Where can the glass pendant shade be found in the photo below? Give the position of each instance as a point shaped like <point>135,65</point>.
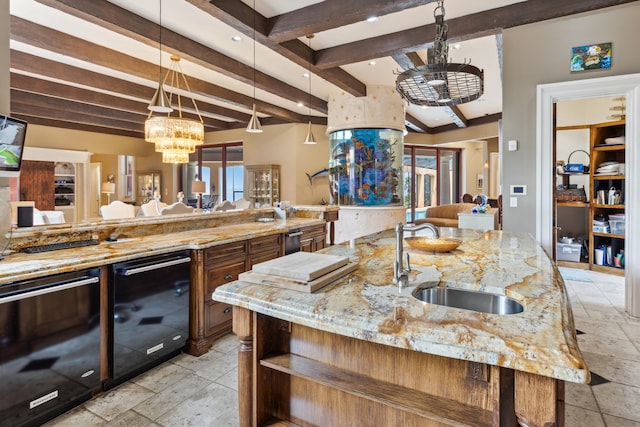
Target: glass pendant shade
<point>310,139</point>
<point>254,125</point>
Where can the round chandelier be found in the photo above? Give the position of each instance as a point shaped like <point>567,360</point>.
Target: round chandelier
<point>174,136</point>
<point>439,83</point>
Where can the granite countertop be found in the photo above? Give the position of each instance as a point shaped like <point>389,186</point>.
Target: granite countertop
<point>21,266</point>
<point>366,304</point>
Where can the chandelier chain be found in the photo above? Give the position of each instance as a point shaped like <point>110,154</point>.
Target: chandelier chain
<point>440,42</point>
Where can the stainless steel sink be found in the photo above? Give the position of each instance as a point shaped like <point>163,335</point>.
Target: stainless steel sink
<point>466,299</point>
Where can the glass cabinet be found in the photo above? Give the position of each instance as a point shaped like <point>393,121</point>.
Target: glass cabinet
<point>262,185</point>
<point>148,184</point>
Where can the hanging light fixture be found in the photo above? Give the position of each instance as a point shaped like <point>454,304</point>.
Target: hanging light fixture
<point>160,102</point>
<point>439,83</point>
<point>175,137</point>
<point>310,139</point>
<point>254,125</point>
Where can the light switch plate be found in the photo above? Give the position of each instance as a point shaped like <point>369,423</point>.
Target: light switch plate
<point>513,145</point>
<point>513,202</point>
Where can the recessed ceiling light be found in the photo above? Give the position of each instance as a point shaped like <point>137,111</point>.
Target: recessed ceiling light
<point>455,46</point>
<point>236,38</point>
<point>372,19</point>
<point>305,75</point>
<point>372,63</point>
<point>300,104</point>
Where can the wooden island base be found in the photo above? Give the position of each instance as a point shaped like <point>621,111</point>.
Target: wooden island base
<point>290,374</point>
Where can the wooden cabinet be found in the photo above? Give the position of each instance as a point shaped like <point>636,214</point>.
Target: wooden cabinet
<point>262,185</point>
<point>37,183</point>
<point>214,267</point>
<point>313,238</point>
<point>608,195</point>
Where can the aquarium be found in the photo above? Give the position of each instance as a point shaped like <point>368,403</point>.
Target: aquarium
<point>365,167</point>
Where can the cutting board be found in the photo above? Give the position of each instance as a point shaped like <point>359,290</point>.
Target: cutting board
<point>297,285</point>
<point>301,266</point>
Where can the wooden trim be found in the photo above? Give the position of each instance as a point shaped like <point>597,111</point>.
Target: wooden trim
<point>243,328</point>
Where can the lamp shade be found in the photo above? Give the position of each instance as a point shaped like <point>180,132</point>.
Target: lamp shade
<point>199,187</point>
<point>108,187</point>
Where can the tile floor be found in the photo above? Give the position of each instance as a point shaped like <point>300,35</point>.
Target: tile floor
<point>190,391</point>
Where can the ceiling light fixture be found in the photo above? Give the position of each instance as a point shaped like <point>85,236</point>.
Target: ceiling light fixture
<point>175,137</point>
<point>310,139</point>
<point>160,102</point>
<point>439,83</point>
<point>254,125</point>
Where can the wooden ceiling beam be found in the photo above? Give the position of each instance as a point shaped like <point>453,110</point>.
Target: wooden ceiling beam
<point>331,14</point>
<point>416,124</point>
<point>240,16</point>
<point>55,70</point>
<point>121,21</point>
<point>36,120</point>
<point>489,22</point>
<point>39,36</point>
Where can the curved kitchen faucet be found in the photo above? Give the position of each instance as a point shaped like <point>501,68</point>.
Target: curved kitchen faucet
<point>400,274</point>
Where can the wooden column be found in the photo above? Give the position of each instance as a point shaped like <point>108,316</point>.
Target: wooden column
<point>539,401</point>
<point>243,328</point>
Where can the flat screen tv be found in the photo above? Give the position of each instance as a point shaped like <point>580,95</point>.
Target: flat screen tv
<point>12,136</point>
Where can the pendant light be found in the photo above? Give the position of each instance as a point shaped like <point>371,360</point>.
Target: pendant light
<point>160,102</point>
<point>254,125</point>
<point>310,139</point>
<point>439,83</point>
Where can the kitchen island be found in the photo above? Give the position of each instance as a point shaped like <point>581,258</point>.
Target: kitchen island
<point>363,352</point>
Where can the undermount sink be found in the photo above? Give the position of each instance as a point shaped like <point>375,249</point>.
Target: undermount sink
<point>466,299</point>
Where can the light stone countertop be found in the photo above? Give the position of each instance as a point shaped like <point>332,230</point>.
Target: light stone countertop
<point>22,266</point>
<point>366,304</point>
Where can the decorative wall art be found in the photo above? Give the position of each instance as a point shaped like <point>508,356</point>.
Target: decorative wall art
<point>591,57</point>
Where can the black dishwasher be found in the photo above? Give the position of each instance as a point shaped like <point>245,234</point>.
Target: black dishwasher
<point>148,313</point>
<point>49,346</point>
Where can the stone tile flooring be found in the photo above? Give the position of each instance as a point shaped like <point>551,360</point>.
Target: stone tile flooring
<point>202,391</point>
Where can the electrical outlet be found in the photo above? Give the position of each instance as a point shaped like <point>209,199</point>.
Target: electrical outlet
<point>513,202</point>
<point>513,145</point>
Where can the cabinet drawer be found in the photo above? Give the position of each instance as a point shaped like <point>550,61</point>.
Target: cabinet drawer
<point>265,244</point>
<point>217,317</point>
<point>314,230</point>
<point>229,253</point>
<point>220,276</point>
<point>263,256</point>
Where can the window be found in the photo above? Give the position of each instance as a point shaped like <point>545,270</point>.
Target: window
<point>431,177</point>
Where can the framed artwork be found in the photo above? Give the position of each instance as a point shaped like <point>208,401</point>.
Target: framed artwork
<point>591,57</point>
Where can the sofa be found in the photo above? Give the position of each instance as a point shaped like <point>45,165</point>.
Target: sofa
<point>445,215</point>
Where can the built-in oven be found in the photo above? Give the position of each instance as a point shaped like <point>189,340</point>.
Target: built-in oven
<point>292,241</point>
<point>148,313</point>
<point>49,346</point>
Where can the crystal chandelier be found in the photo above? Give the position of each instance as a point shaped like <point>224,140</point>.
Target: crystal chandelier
<point>175,136</point>
<point>439,83</point>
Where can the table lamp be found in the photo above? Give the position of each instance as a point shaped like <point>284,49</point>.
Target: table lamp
<point>109,188</point>
<point>199,187</point>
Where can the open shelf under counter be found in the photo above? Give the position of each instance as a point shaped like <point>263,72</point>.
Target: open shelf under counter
<point>572,204</point>
<point>610,235</point>
<point>581,265</point>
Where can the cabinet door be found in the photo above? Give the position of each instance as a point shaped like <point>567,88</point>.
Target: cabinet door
<point>36,183</point>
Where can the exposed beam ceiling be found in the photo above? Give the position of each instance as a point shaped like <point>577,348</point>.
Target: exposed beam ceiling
<point>93,65</point>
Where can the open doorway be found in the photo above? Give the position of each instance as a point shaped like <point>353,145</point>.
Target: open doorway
<point>547,95</point>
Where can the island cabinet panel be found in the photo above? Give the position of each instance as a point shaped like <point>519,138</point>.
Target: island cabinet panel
<point>289,373</point>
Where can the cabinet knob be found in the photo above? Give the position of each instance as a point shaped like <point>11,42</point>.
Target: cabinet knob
<point>228,276</point>
<point>227,310</point>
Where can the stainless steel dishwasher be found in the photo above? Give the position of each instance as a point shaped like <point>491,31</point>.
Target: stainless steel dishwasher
<point>148,313</point>
<point>49,346</point>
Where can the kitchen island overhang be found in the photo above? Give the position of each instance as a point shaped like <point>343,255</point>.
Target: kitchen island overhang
<point>366,306</point>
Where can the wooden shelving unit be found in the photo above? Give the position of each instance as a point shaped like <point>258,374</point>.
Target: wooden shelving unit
<point>601,153</point>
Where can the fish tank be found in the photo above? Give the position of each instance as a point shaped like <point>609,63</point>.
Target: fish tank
<point>365,167</point>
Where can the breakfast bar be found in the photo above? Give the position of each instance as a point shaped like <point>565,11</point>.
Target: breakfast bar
<point>363,349</point>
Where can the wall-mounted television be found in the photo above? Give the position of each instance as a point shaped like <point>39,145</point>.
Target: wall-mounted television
<point>12,135</point>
